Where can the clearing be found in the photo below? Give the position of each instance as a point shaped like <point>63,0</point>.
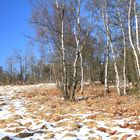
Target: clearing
<point>39,112</point>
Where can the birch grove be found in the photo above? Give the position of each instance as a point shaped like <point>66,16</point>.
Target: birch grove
<point>84,42</point>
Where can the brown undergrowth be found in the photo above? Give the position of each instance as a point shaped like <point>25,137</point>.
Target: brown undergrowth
<point>94,100</point>
<point>89,111</point>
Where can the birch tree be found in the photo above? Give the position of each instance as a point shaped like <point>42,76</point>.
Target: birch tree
<point>124,50</point>
<point>61,11</point>
<point>109,45</point>
<point>79,47</point>
<point>49,19</point>
<point>130,37</point>
<point>105,20</point>
<point>137,27</point>
<point>77,39</point>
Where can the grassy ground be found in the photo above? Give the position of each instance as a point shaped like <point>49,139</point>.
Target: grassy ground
<point>41,113</point>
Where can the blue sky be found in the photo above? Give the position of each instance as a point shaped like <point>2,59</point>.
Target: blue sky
<point>14,22</point>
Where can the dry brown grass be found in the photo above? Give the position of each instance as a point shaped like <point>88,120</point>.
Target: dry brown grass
<point>95,100</point>
<point>117,105</point>
<point>46,104</point>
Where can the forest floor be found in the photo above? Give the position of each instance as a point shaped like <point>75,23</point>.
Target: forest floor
<point>39,112</point>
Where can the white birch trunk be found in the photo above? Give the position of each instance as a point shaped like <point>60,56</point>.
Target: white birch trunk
<point>64,62</point>
<point>66,96</point>
<point>124,64</point>
<point>74,75</point>
<point>106,24</point>
<point>82,73</point>
<point>115,64</point>
<point>79,48</point>
<point>75,63</point>
<point>137,27</point>
<point>124,53</point>
<point>107,54</point>
<point>76,34</point>
<point>106,70</point>
<point>130,39</point>
<point>116,70</point>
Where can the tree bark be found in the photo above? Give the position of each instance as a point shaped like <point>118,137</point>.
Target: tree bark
<point>64,62</point>
<point>109,42</point>
<point>82,73</point>
<point>74,76</point>
<point>137,27</point>
<point>77,39</point>
<point>130,39</point>
<point>106,69</point>
<point>103,11</point>
<point>61,13</point>
<point>124,53</point>
<point>116,70</point>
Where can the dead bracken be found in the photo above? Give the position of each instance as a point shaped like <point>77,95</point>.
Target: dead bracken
<point>95,117</point>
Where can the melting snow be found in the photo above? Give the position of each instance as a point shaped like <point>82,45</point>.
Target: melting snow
<point>7,103</point>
